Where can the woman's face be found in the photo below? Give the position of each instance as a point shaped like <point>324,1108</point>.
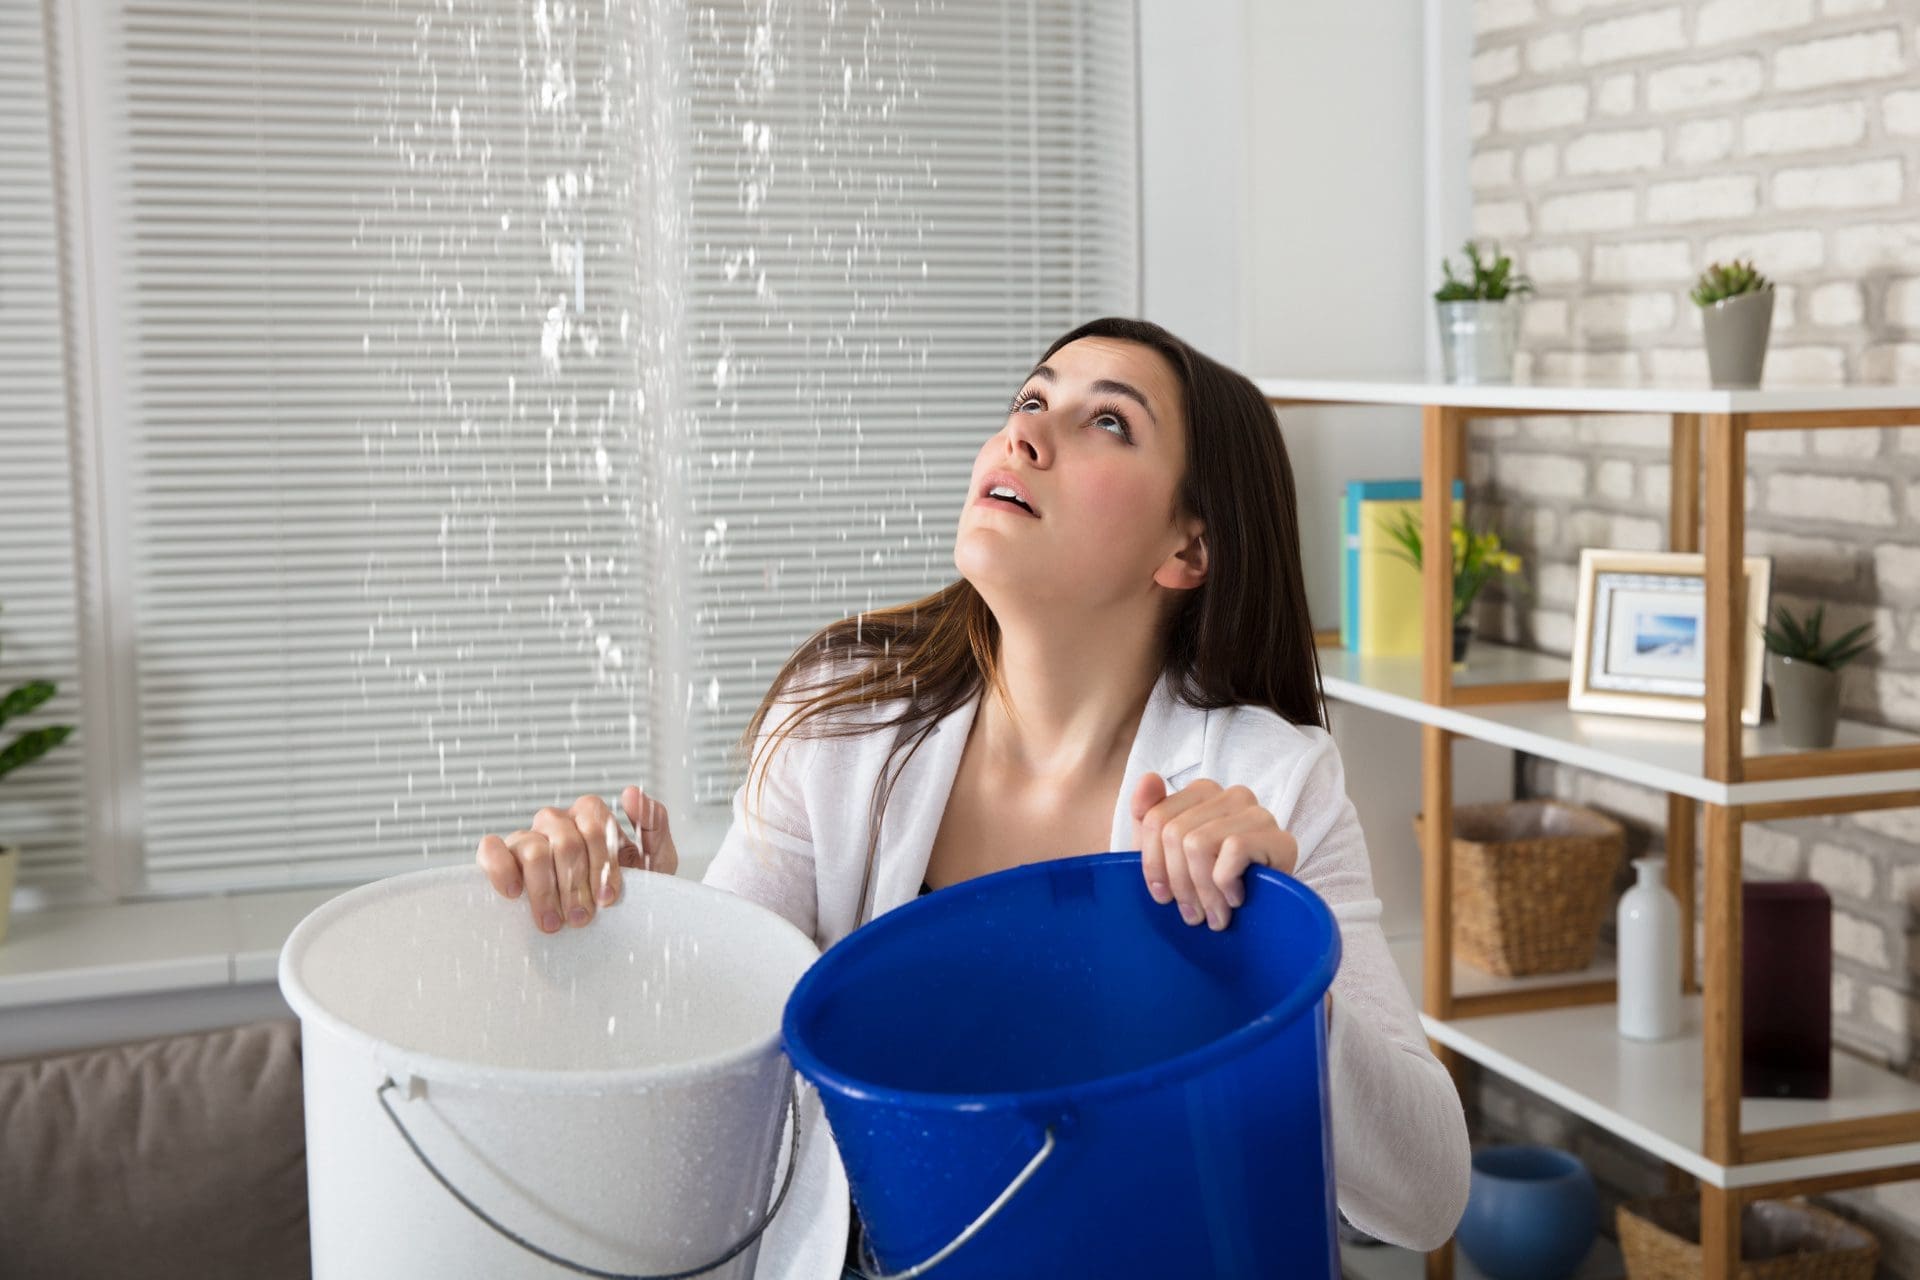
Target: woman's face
<point>1095,442</point>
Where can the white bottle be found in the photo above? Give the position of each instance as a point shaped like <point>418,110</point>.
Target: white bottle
<point>1649,942</point>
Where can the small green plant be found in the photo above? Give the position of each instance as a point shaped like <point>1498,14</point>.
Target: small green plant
<point>1476,557</point>
<point>33,743</point>
<point>1725,280</point>
<point>1799,639</point>
<point>1487,281</point>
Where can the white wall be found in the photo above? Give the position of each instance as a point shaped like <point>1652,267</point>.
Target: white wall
<point>1193,151</point>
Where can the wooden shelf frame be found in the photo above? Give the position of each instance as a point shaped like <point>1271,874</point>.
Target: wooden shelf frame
<point>1708,457</point>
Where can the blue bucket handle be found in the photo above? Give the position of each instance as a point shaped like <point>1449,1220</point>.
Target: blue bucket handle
<point>793,1159</point>
<point>1048,1142</point>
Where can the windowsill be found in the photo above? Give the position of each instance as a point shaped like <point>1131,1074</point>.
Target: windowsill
<point>96,952</point>
<point>108,950</point>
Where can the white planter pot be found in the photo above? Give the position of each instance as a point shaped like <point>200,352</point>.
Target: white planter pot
<point>9,868</point>
<point>1477,339</point>
<point>1649,940</point>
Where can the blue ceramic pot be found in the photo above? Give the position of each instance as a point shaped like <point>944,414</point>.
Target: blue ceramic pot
<point>1532,1213</point>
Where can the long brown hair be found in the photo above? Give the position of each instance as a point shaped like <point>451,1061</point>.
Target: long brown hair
<point>1241,638</point>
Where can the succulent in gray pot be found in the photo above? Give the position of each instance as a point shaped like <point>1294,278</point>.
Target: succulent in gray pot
<point>1736,310</point>
<point>26,747</point>
<point>1479,316</point>
<point>1804,670</point>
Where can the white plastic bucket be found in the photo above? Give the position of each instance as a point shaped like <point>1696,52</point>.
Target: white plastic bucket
<point>615,1096</point>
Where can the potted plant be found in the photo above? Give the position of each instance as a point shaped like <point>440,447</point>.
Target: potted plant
<point>1476,558</point>
<point>1480,316</point>
<point>1736,308</point>
<point>25,748</point>
<point>1804,671</point>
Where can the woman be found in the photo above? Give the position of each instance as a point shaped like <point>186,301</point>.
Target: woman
<point>1125,662</point>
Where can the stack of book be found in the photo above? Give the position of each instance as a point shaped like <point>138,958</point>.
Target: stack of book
<point>1379,588</point>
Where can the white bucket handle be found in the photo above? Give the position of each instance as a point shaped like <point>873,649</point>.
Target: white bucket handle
<point>973,1228</point>
<point>793,1158</point>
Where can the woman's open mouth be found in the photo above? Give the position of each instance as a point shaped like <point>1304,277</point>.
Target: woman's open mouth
<point>1001,490</point>
<point>1011,503</point>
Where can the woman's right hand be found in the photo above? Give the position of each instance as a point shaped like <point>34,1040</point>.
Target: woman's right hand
<point>564,864</point>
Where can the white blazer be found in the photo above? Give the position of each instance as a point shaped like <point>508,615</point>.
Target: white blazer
<point>1400,1139</point>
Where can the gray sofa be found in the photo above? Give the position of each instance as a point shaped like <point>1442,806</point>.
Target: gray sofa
<point>182,1158</point>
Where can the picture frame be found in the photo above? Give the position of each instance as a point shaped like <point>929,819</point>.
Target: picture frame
<point>1640,633</point>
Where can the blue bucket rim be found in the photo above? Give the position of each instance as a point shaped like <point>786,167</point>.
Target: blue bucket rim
<point>1270,1022</point>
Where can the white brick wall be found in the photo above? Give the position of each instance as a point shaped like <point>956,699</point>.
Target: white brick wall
<point>1715,199</point>
<point>1721,20</point>
<point>1644,262</point>
<point>1866,55</point>
<point>1616,151</point>
<point>1553,107</point>
<point>1588,211</point>
<point>1622,145</point>
<point>1839,186</point>
<point>1832,124</point>
<point>1660,31</point>
<point>1702,141</point>
<point>1703,84</point>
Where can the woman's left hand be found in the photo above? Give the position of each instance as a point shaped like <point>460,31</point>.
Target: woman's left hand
<point>1196,845</point>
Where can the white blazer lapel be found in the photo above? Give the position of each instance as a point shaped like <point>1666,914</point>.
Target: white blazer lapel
<point>918,803</point>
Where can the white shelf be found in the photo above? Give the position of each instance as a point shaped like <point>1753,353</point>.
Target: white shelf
<point>1469,981</point>
<point>1384,1262</point>
<point>1665,755</point>
<point>1652,1094</point>
<point>1551,396</point>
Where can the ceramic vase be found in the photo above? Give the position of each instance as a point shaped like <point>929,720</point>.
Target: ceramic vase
<point>1532,1213</point>
<point>1477,340</point>
<point>1648,926</point>
<point>1806,697</point>
<point>1736,331</point>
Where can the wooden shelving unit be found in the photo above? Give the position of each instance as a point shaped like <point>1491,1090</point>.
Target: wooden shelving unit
<point>1679,1100</point>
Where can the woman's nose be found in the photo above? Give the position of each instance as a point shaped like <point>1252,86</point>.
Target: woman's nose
<point>1029,435</point>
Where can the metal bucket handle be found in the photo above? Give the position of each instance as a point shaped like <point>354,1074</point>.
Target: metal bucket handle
<point>793,1158</point>
<point>973,1228</point>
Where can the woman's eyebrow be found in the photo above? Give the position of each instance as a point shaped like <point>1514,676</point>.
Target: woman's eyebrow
<point>1103,386</point>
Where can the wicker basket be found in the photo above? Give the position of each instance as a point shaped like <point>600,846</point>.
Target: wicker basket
<point>1779,1240</point>
<point>1530,884</point>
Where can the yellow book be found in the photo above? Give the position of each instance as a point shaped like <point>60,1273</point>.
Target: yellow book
<point>1389,587</point>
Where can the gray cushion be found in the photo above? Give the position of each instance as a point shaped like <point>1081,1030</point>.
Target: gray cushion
<point>180,1157</point>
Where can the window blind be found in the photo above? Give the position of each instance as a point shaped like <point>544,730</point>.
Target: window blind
<point>43,805</point>
<point>416,423</point>
<point>894,209</point>
<point>381,429</point>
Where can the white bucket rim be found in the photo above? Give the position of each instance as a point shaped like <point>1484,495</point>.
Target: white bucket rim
<point>402,1062</point>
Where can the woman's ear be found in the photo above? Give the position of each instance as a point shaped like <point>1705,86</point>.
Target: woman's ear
<point>1186,568</point>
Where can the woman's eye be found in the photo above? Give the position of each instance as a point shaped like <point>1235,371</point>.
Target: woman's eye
<point>1116,421</point>
<point>1021,405</point>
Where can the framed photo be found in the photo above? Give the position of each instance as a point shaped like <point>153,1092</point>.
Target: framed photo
<point>1639,634</point>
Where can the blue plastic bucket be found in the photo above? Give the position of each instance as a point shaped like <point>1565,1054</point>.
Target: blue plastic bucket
<point>1154,1094</point>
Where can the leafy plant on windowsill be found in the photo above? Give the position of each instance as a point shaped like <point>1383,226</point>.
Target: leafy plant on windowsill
<point>1799,639</point>
<point>1477,557</point>
<point>31,744</point>
<point>1488,280</point>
